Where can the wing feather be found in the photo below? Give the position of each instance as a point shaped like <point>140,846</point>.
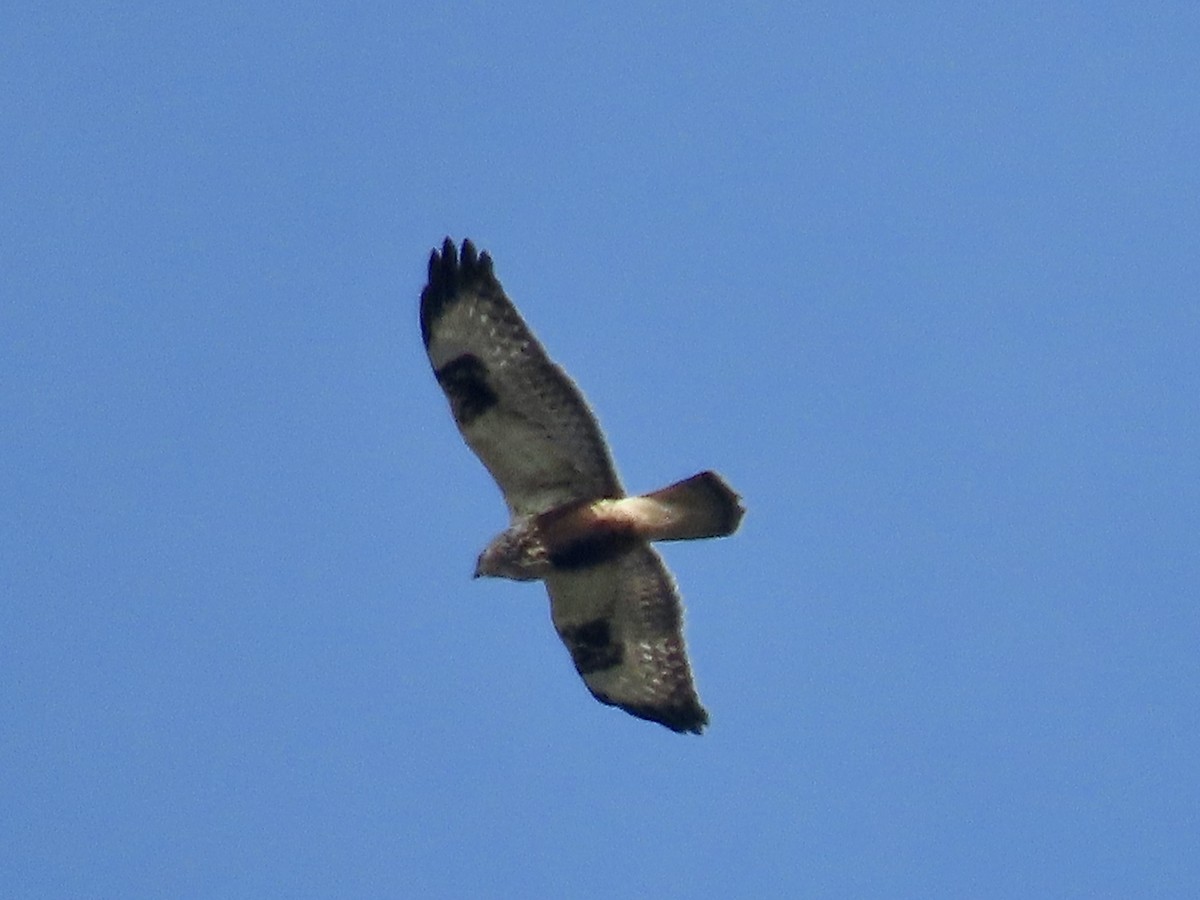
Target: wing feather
<point>519,412</point>
<point>622,622</point>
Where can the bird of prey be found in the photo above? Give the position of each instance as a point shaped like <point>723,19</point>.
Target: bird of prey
<point>612,600</point>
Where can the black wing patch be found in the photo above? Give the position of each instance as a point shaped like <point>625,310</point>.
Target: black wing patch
<point>464,379</point>
<point>592,646</point>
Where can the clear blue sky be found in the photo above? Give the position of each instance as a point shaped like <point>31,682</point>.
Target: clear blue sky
<point>920,283</point>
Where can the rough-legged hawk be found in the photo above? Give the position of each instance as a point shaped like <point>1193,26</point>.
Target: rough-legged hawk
<point>612,600</point>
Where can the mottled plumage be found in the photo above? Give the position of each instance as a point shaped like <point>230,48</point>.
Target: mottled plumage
<point>612,600</point>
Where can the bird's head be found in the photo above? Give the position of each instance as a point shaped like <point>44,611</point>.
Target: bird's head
<point>486,565</point>
<point>507,556</point>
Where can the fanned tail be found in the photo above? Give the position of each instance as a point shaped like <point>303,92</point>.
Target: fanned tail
<point>702,506</point>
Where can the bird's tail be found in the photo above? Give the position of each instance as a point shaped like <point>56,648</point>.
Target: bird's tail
<point>702,506</point>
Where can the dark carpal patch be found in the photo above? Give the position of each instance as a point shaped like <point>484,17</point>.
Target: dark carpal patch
<point>464,379</point>
<point>592,647</point>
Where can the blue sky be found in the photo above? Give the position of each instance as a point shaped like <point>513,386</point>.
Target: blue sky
<point>920,282</point>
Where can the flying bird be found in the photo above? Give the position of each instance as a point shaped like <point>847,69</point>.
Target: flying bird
<point>572,526</point>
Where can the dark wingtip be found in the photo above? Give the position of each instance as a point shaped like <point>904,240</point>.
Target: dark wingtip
<point>450,273</point>
<point>690,718</point>
<point>683,715</point>
<point>448,258</point>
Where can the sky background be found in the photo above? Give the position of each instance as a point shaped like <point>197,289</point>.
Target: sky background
<point>919,282</point>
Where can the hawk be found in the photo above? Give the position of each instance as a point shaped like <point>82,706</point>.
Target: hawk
<point>612,600</point>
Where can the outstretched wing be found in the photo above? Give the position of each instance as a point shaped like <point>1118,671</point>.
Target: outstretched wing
<point>623,625</point>
<point>519,412</point>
